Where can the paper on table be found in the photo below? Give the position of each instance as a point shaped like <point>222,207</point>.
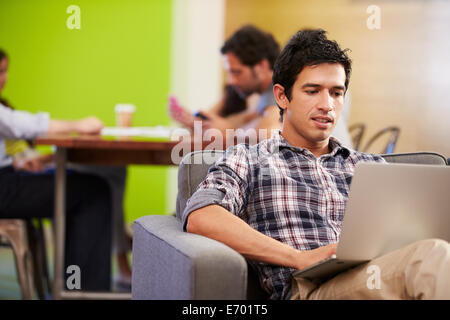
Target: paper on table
<point>155,132</point>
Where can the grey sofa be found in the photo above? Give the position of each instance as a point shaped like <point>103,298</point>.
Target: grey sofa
<point>171,264</point>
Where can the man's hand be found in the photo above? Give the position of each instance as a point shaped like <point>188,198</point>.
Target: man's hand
<point>215,122</point>
<point>179,114</point>
<point>89,125</point>
<point>310,257</point>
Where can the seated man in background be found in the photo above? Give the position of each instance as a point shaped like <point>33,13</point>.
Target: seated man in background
<point>249,56</point>
<point>281,202</point>
<point>88,199</point>
<point>232,106</point>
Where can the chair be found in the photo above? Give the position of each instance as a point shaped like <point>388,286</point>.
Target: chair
<point>169,263</point>
<point>15,232</point>
<point>38,246</point>
<point>357,132</point>
<point>28,245</point>
<point>392,132</point>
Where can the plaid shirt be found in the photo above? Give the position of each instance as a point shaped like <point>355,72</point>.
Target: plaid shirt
<point>286,193</point>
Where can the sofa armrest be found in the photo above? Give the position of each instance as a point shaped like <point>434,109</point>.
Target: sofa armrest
<point>171,264</point>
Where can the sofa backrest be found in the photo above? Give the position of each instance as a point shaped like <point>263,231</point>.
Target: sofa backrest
<point>195,165</point>
<point>416,157</point>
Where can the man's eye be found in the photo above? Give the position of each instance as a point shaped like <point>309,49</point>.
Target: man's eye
<point>338,94</point>
<point>311,91</point>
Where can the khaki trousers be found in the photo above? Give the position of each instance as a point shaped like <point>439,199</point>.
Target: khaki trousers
<point>418,271</point>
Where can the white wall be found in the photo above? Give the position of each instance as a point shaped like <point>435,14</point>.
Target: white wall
<point>196,70</point>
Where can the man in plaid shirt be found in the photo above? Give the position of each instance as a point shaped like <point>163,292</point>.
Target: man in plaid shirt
<point>280,203</point>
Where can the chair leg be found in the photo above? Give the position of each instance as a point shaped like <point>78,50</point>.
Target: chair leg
<point>44,263</point>
<point>39,254</point>
<point>24,271</point>
<point>16,232</point>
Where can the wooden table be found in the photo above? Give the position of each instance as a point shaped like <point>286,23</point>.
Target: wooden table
<point>105,151</point>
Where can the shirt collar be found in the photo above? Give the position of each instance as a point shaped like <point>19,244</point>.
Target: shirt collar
<point>337,148</point>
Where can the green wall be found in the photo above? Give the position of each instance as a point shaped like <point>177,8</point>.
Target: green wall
<point>121,53</point>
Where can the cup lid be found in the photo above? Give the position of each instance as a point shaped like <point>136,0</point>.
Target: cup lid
<point>125,107</point>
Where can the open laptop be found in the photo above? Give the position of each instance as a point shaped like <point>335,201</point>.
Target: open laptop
<point>389,207</point>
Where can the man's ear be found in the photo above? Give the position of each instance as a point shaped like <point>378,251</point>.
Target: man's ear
<point>280,96</point>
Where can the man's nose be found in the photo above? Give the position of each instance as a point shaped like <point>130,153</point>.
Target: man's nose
<point>231,80</point>
<point>326,102</point>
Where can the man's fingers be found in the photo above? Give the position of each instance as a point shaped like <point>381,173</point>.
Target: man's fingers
<point>207,114</point>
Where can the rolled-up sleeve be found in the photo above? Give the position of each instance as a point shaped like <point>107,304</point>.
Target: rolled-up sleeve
<point>21,124</point>
<point>226,185</point>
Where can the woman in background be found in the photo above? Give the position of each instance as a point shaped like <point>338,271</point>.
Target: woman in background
<point>27,159</point>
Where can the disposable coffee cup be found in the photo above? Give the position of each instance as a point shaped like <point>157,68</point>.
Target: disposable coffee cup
<point>124,114</point>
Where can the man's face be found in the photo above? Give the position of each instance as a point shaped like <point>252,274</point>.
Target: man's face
<point>316,102</point>
<point>243,78</point>
<point>3,73</point>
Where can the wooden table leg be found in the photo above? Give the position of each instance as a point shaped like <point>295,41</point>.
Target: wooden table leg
<point>60,222</point>
<point>60,228</point>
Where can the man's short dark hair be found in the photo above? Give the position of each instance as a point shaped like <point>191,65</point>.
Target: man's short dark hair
<point>307,48</point>
<point>252,45</point>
